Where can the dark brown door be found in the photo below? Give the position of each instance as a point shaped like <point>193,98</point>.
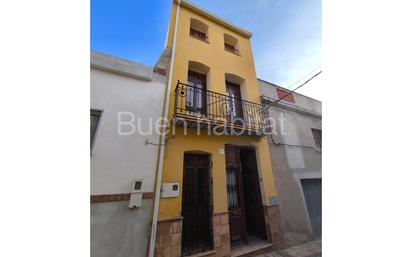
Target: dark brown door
<point>235,195</point>
<point>244,196</point>
<point>196,211</point>
<point>235,111</point>
<point>252,194</point>
<point>196,94</point>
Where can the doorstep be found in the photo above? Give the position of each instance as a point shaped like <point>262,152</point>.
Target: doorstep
<point>251,249</point>
<point>204,254</point>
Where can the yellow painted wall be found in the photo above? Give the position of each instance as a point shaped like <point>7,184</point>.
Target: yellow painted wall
<point>219,61</point>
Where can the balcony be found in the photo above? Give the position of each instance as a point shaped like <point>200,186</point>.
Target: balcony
<point>218,113</point>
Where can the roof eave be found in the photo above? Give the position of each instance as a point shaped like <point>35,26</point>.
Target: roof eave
<point>214,17</point>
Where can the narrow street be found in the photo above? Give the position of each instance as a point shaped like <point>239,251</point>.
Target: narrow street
<point>310,249</point>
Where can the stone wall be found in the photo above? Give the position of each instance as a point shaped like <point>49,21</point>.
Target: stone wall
<point>273,225</point>
<point>169,234</point>
<point>221,234</point>
<point>169,238</point>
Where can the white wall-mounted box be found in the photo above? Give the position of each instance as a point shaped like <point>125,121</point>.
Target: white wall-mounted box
<point>170,190</point>
<point>136,194</point>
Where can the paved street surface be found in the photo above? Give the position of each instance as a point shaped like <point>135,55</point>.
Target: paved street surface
<point>310,249</point>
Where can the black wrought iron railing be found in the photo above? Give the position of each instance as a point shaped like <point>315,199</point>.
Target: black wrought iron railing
<point>195,103</point>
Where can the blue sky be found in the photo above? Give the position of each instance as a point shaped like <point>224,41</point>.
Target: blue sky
<point>286,33</point>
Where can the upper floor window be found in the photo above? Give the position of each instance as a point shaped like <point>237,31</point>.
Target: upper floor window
<point>285,95</point>
<point>317,136</point>
<point>198,30</point>
<point>95,116</point>
<point>230,48</point>
<point>231,44</point>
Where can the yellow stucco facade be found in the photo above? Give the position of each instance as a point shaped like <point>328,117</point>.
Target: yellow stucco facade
<point>219,61</point>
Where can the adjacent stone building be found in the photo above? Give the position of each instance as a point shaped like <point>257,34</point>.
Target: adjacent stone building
<point>295,146</point>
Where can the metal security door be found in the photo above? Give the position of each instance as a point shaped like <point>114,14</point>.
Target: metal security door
<point>312,189</point>
<point>196,234</point>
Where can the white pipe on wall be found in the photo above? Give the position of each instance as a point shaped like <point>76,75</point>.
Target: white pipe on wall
<point>163,141</point>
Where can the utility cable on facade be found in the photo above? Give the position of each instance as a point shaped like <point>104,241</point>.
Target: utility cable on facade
<point>305,146</point>
<point>304,77</point>
<point>298,87</point>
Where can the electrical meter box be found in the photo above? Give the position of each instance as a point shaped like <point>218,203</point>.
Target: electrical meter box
<point>137,194</point>
<point>170,190</point>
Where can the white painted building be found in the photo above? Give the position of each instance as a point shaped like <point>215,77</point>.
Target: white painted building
<point>295,146</point>
<point>119,86</point>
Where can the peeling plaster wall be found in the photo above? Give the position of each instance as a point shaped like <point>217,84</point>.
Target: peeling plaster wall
<point>290,164</point>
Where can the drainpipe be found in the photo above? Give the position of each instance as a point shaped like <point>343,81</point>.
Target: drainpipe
<point>163,140</point>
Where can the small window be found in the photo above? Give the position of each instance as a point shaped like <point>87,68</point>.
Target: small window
<point>231,44</point>
<point>94,123</point>
<point>198,34</point>
<point>285,95</point>
<point>317,136</point>
<point>198,30</point>
<point>230,48</point>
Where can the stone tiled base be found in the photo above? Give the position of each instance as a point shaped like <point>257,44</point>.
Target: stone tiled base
<point>221,234</point>
<point>273,225</point>
<point>169,238</point>
<point>169,234</point>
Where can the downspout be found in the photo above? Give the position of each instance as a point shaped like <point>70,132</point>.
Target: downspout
<point>163,140</point>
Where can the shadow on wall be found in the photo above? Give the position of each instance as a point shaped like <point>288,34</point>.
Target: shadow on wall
<point>117,230</point>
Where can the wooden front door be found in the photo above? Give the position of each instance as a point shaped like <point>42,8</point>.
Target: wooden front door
<point>235,195</point>
<point>244,196</point>
<point>235,110</point>
<point>196,94</point>
<point>196,204</point>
